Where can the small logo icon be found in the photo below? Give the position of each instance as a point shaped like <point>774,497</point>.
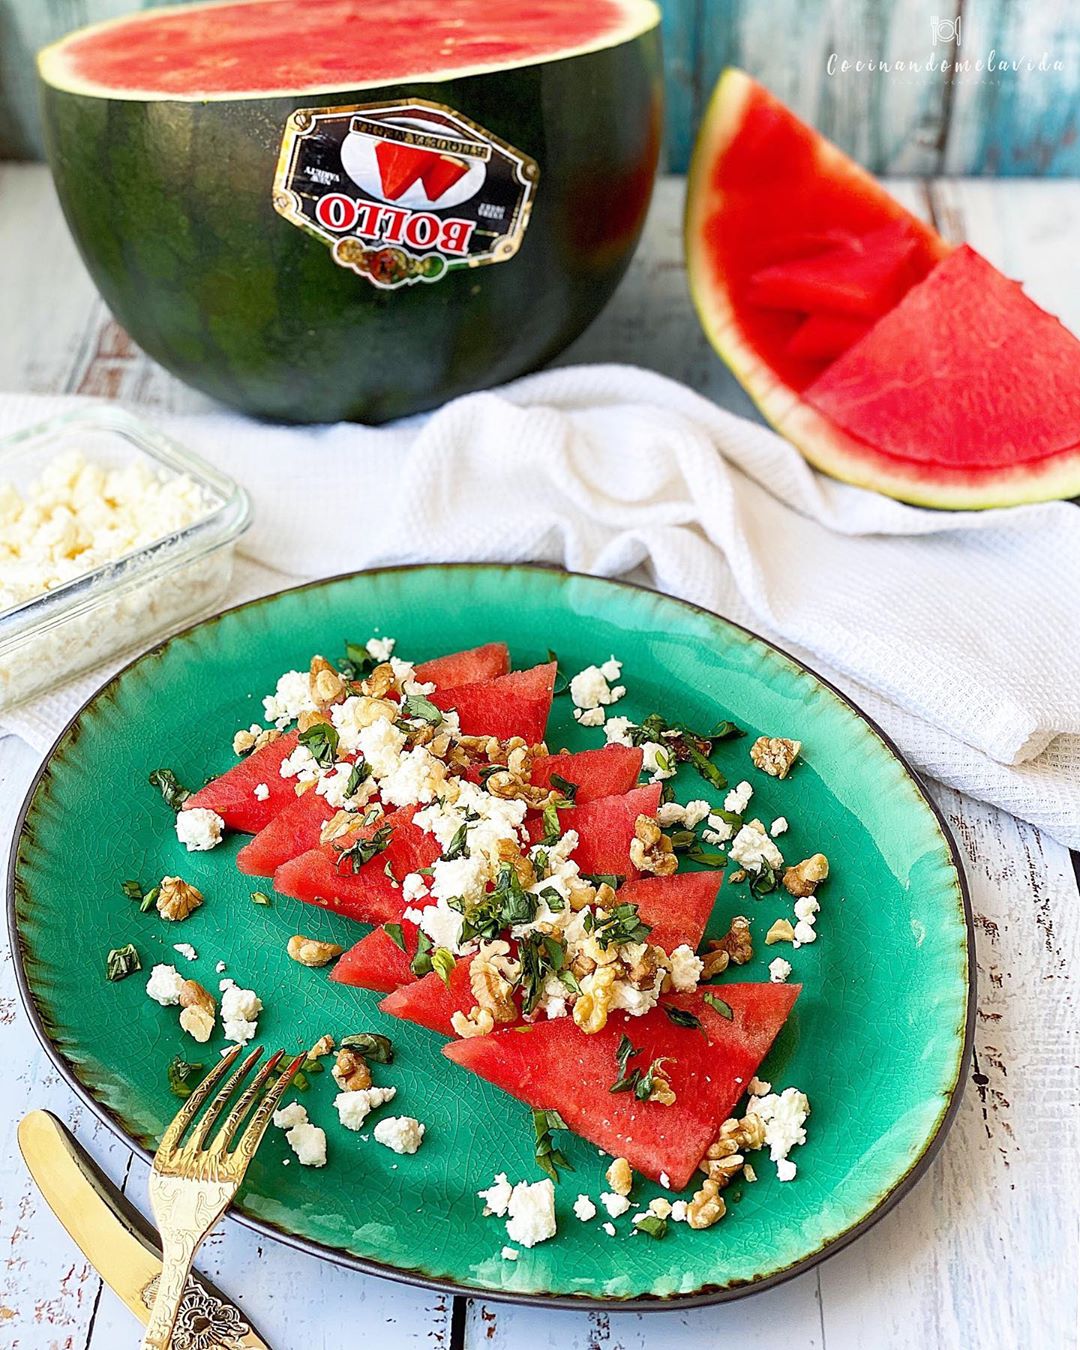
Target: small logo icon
<point>945,30</point>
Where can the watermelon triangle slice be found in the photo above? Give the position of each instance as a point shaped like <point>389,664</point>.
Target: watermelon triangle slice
<point>377,962</point>
<point>555,1066</point>
<point>293,830</point>
<point>517,704</point>
<point>677,908</point>
<point>468,667</point>
<point>605,828</point>
<point>608,772</point>
<point>915,385</point>
<point>370,894</point>
<point>232,795</point>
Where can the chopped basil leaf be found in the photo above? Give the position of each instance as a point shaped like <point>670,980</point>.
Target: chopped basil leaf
<point>388,872</point>
<point>184,1076</point>
<point>625,1081</point>
<point>552,828</point>
<point>612,879</point>
<point>394,932</point>
<point>321,742</point>
<point>421,962</point>
<point>541,955</point>
<point>165,781</point>
<point>725,731</point>
<point>620,925</point>
<point>358,661</point>
<point>569,790</point>
<point>132,890</point>
<point>704,765</point>
<point>443,963</point>
<point>549,1158</point>
<point>763,882</point>
<point>724,1009</point>
<point>121,962</point>
<point>507,905</point>
<point>149,900</point>
<point>363,850</point>
<point>416,707</point>
<point>459,842</point>
<point>644,1088</point>
<point>553,899</point>
<point>706,857</point>
<point>361,772</point>
<point>373,1046</point>
<point>653,1224</point>
<point>682,1017</point>
<point>260,898</point>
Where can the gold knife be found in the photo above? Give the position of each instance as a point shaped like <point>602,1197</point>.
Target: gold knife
<point>119,1243</point>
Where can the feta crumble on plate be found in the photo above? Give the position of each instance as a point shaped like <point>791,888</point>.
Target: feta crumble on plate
<point>354,1107</point>
<point>614,1204</point>
<point>307,1141</point>
<point>497,1196</point>
<point>584,1208</point>
<point>240,1009</point>
<point>591,692</point>
<point>403,1134</point>
<point>164,985</point>
<point>185,949</point>
<point>510,1254</point>
<point>199,829</point>
<point>779,970</point>
<point>784,1115</point>
<point>531,1213</point>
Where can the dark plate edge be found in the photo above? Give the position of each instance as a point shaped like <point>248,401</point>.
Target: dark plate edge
<point>640,1303</point>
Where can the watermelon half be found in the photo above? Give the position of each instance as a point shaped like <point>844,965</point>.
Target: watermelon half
<point>888,359</point>
<point>555,1066</point>
<point>164,129</point>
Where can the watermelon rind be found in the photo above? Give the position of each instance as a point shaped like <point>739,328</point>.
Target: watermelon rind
<point>827,446</point>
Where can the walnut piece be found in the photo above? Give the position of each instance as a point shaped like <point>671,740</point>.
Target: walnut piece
<point>491,977</point>
<point>737,941</point>
<point>380,682</point>
<point>197,1011</point>
<point>739,875</point>
<point>662,1091</point>
<point>476,1022</point>
<point>310,952</point>
<point>323,1046</point>
<point>596,997</point>
<point>775,755</point>
<point>724,1159</point>
<point>327,686</point>
<point>351,1072</point>
<point>651,849</point>
<point>177,899</point>
<point>244,742</point>
<point>781,931</point>
<point>620,1177</point>
<point>706,1207</point>
<point>641,973</point>
<point>804,878</point>
<point>714,963</point>
<point>508,852</point>
<point>308,719</point>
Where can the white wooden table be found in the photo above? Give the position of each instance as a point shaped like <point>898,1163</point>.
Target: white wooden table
<point>983,1253</point>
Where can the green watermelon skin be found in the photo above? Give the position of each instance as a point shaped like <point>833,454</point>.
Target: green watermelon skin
<point>293,830</point>
<point>468,667</point>
<point>232,794</point>
<point>608,772</point>
<point>169,203</point>
<point>555,1066</point>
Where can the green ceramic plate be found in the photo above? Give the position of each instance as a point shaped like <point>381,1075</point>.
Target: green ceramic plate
<point>879,1039</point>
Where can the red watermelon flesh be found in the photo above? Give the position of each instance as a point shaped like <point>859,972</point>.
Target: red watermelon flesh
<point>368,895</point>
<point>517,704</point>
<point>555,1066</point>
<point>824,337</point>
<point>441,173</point>
<point>399,167</point>
<point>859,275</point>
<point>232,795</point>
<point>608,772</point>
<point>677,908</point>
<point>293,830</point>
<point>469,667</point>
<point>919,388</point>
<point>605,828</point>
<point>377,962</point>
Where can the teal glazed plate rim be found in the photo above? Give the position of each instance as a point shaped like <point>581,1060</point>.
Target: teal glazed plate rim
<point>880,1038</point>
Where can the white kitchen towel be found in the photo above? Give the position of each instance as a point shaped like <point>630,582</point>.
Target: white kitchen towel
<point>959,632</point>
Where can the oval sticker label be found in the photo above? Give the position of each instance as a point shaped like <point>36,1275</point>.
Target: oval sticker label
<point>403,192</point>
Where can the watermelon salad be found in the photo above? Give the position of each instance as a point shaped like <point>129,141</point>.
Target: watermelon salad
<point>542,912</point>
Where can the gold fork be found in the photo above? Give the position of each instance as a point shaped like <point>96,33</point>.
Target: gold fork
<point>193,1183</point>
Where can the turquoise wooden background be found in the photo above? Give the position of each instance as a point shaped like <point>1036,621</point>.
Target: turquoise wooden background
<point>1010,122</point>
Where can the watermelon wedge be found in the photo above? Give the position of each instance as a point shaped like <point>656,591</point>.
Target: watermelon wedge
<point>441,173</point>
<point>232,795</point>
<point>293,830</point>
<point>677,908</point>
<point>960,392</point>
<point>400,166</point>
<point>608,772</point>
<point>517,704</point>
<point>370,894</point>
<point>469,667</point>
<point>605,828</point>
<point>377,962</point>
<point>555,1066</point>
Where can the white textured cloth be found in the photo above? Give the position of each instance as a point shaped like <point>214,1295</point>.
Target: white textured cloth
<point>958,632</point>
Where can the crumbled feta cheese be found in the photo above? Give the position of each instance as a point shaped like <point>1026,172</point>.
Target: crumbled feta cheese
<point>403,1134</point>
<point>301,765</point>
<point>497,1196</point>
<point>738,799</point>
<point>689,816</point>
<point>609,1229</point>
<point>779,970</point>
<point>199,829</point>
<point>779,826</point>
<point>686,968</point>
<point>332,785</point>
<point>381,744</point>
<point>617,731</point>
<point>589,717</point>
<point>380,649</point>
<point>496,820</point>
<point>590,688</point>
<point>806,908</point>
<point>658,761</point>
<point>417,777</point>
<point>784,1116</point>
<point>414,887</point>
<point>462,878</point>
<point>237,1002</point>
<point>220,967</point>
<point>532,1213</point>
<point>584,1208</point>
<point>164,985</point>
<point>665,1181</point>
<point>752,848</point>
<point>636,1002</point>
<point>678,1211</point>
<point>441,923</point>
<point>719,830</point>
<point>352,717</point>
<point>185,949</point>
<point>354,1107</point>
<point>614,1204</point>
<point>285,1117</point>
<point>291,698</point>
<point>308,1142</point>
<point>510,1254</point>
<point>805,933</point>
<point>261,791</point>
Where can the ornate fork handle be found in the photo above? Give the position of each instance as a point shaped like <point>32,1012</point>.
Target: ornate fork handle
<point>177,1254</point>
<point>186,1210</point>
